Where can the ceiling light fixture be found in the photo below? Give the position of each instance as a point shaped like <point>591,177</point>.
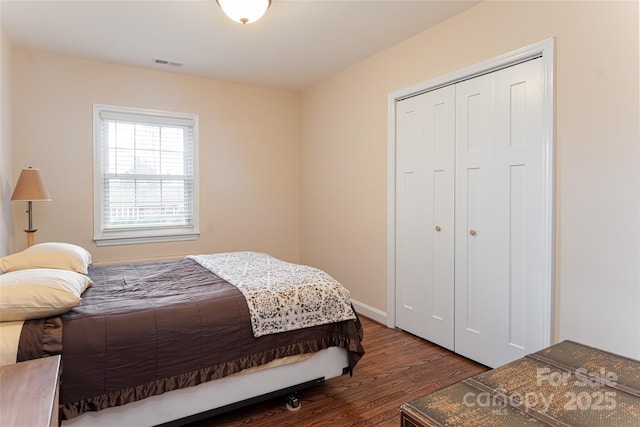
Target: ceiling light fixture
<point>244,11</point>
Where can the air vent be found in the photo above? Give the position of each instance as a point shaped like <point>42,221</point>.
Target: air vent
<point>167,62</point>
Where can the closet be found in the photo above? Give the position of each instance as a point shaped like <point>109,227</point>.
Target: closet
<point>470,215</point>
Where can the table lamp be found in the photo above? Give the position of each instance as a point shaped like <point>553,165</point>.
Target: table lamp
<point>30,187</point>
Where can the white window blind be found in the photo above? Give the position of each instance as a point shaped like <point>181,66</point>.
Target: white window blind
<point>146,188</point>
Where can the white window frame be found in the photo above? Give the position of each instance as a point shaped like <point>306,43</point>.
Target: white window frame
<point>104,237</point>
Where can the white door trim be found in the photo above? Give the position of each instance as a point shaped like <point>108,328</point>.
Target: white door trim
<point>543,49</point>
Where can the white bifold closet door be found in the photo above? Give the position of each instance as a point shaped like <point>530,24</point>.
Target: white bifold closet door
<point>499,215</point>
<point>425,215</point>
<point>469,215</point>
<point>475,206</point>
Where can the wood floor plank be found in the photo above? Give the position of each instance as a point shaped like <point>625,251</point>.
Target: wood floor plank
<point>397,368</point>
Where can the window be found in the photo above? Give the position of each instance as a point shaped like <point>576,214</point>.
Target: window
<point>145,175</point>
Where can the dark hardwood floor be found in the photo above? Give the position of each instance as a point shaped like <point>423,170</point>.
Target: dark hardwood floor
<point>397,368</point>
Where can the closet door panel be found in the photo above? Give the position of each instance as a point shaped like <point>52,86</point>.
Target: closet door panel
<point>425,230</point>
<point>411,208</point>
<point>519,212</point>
<point>440,122</point>
<point>474,223</point>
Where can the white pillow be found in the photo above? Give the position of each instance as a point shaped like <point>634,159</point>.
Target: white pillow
<point>64,256</point>
<point>40,292</point>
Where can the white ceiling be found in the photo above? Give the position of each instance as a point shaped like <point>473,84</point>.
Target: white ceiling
<point>297,42</point>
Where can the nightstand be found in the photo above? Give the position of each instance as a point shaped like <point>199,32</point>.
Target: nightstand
<point>29,393</point>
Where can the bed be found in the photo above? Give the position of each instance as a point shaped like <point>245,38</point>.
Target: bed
<point>172,341</point>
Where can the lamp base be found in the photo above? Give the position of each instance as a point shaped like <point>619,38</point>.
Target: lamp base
<point>30,236</point>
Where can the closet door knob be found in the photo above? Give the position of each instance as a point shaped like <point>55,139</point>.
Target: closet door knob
<point>438,228</point>
<point>472,232</point>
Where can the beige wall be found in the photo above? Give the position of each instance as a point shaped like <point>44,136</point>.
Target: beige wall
<point>344,162</point>
<point>249,153</point>
<point>308,179</point>
<point>6,142</point>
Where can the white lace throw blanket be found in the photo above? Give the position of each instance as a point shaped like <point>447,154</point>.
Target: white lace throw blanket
<point>281,296</point>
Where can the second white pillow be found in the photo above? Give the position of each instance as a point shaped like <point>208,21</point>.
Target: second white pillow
<point>41,292</point>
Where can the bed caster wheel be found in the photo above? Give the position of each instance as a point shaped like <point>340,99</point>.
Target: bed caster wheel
<point>293,404</point>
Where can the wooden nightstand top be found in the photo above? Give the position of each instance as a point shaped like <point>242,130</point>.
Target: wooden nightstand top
<point>28,393</point>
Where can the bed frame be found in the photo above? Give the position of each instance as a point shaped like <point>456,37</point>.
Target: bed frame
<point>182,406</point>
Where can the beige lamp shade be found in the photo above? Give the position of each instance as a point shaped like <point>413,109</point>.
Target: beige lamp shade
<point>30,186</point>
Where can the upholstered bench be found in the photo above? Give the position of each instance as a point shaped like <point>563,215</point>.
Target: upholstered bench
<point>568,384</point>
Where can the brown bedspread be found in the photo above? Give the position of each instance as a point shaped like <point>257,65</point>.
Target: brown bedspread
<point>144,329</point>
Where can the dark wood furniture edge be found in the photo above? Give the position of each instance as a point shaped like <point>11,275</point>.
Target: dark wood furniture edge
<point>416,417</point>
<point>41,375</point>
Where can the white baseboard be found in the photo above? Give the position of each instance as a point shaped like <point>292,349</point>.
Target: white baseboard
<point>371,312</point>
